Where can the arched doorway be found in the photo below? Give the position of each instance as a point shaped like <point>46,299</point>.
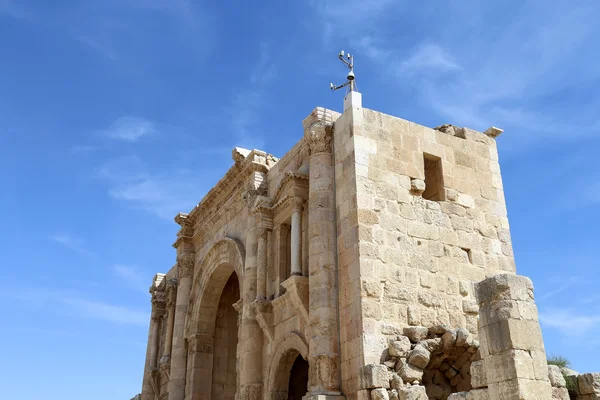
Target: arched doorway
<point>224,375</point>
<point>288,376</point>
<point>298,380</point>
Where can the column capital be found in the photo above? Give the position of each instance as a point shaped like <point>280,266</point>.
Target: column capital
<point>262,233</point>
<point>185,264</point>
<point>281,228</point>
<point>318,130</point>
<point>297,204</point>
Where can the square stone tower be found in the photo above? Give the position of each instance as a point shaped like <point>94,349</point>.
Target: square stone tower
<point>421,217</point>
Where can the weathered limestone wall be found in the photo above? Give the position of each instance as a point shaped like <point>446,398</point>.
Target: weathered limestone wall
<point>419,258</point>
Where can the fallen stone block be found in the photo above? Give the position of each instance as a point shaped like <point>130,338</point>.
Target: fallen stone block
<point>589,383</point>
<point>413,393</point>
<point>419,356</point>
<point>556,377</point>
<point>379,394</point>
<point>399,347</point>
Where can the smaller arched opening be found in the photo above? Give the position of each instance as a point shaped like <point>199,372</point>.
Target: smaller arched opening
<point>288,378</point>
<point>298,380</point>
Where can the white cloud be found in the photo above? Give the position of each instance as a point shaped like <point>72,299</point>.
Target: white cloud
<point>130,129</point>
<point>247,105</point>
<point>428,57</point>
<point>96,46</point>
<point>132,276</point>
<point>569,322</point>
<point>69,242</point>
<point>75,305</point>
<point>559,287</point>
<point>85,308</point>
<point>162,193</point>
<point>9,7</point>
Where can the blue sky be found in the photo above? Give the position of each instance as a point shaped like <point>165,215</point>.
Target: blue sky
<point>117,114</point>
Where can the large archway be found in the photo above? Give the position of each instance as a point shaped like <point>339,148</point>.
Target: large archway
<point>213,326</point>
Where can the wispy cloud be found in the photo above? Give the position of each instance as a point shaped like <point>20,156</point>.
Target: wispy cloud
<point>428,57</point>
<point>247,104</point>
<point>132,276</point>
<point>130,129</point>
<point>9,7</point>
<point>97,47</point>
<point>69,242</point>
<point>162,193</point>
<point>570,322</point>
<point>559,287</point>
<point>75,305</point>
<point>347,17</point>
<point>104,311</point>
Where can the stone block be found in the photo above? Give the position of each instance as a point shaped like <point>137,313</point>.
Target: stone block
<point>419,356</point>
<point>520,389</point>
<point>413,393</point>
<point>507,366</point>
<point>504,287</point>
<point>560,393</point>
<point>407,372</point>
<point>478,394</point>
<point>379,394</point>
<point>399,347</point>
<point>374,376</point>
<point>416,333</point>
<point>478,374</point>
<point>556,377</point>
<point>396,381</point>
<point>589,383</point>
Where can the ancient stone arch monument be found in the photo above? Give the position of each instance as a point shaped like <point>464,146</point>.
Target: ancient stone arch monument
<point>372,261</point>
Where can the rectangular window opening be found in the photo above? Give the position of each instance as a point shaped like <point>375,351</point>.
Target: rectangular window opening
<point>434,178</point>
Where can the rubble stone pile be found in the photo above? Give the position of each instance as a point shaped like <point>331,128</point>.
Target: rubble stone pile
<point>424,363</point>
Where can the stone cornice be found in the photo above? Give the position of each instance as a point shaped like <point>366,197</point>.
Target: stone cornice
<point>233,180</point>
<point>294,184</point>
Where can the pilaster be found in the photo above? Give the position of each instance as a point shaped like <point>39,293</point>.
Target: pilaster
<point>323,357</point>
<point>185,271</point>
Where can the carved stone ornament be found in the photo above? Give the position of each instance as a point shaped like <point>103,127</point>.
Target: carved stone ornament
<point>319,137</point>
<point>185,264</point>
<point>298,204</point>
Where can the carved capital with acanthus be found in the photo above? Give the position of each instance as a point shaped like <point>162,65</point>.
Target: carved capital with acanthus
<point>318,130</point>
<point>159,302</point>
<point>185,264</point>
<point>319,137</point>
<point>297,204</point>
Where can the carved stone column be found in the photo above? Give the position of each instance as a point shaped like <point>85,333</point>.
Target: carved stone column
<point>323,356</point>
<point>158,309</point>
<point>185,269</point>
<point>261,275</point>
<point>165,361</point>
<point>297,237</point>
<point>280,233</point>
<point>251,336</point>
